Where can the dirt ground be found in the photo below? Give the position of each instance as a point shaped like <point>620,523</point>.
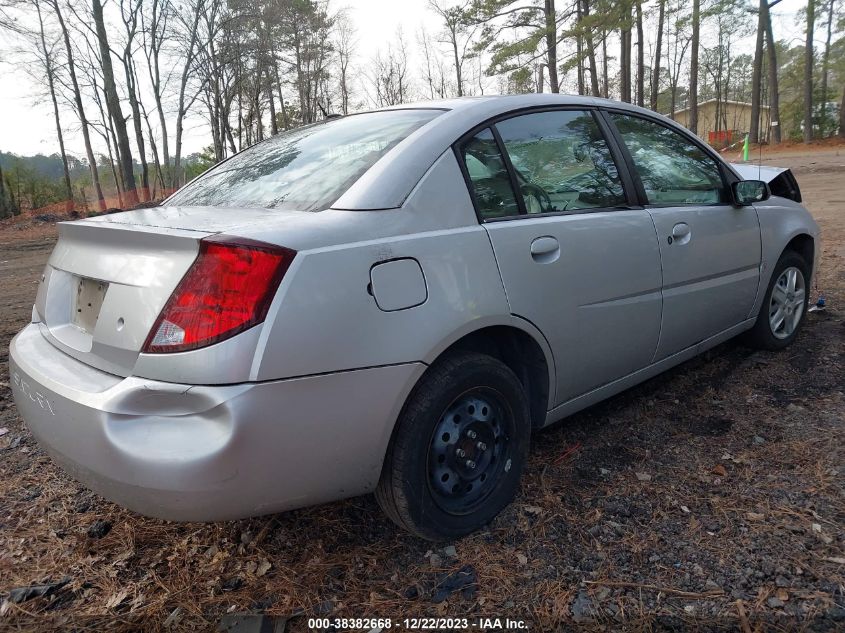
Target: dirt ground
<point>709,498</point>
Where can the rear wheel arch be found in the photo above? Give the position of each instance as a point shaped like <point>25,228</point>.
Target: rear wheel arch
<point>522,353</point>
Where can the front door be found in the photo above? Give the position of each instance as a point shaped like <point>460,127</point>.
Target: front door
<point>575,259</point>
<point>709,248</point>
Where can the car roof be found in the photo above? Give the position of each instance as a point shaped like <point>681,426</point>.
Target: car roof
<point>388,183</point>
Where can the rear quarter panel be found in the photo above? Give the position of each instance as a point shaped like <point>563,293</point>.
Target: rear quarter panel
<point>326,320</point>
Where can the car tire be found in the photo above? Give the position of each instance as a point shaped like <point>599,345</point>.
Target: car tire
<point>458,449</point>
<point>771,332</point>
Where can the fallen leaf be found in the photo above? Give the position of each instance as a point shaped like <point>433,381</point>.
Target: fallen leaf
<point>643,476</point>
<point>116,599</point>
<point>782,594</point>
<point>263,567</point>
<point>817,528</point>
<point>835,559</point>
<point>533,510</point>
<point>754,516</point>
<point>522,558</point>
<point>719,470</point>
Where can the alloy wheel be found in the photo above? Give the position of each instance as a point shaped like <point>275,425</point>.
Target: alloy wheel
<point>787,303</point>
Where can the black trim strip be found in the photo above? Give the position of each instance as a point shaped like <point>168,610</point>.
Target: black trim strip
<point>517,190</point>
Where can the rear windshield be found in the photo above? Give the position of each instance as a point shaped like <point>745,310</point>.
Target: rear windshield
<point>306,169</point>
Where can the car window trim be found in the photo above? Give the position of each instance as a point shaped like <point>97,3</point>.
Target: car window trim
<point>506,159</point>
<point>725,174</point>
<point>457,148</point>
<point>621,167</point>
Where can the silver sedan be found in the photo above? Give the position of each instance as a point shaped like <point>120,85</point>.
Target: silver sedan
<point>393,301</point>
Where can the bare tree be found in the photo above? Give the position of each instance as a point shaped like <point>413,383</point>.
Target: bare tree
<point>774,90</point>
<point>458,34</point>
<point>49,64</point>
<point>693,73</point>
<point>80,108</point>
<point>655,73</point>
<point>190,22</point>
<point>434,72</point>
<point>113,105</point>
<point>757,77</point>
<point>826,69</point>
<point>625,51</point>
<point>640,55</point>
<point>345,44</point>
<point>808,72</point>
<point>591,48</point>
<point>129,10</point>
<point>390,74</point>
<point>154,33</point>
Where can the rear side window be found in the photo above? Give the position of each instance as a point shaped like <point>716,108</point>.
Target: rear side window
<point>489,177</point>
<point>562,162</point>
<point>305,169</point>
<point>673,169</point>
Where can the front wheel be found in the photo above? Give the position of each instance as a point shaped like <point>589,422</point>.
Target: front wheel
<point>784,306</point>
<point>456,456</point>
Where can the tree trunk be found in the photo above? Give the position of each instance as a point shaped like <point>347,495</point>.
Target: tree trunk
<point>655,73</point>
<point>774,96</point>
<point>808,72</point>
<point>693,73</point>
<point>83,120</point>
<point>457,57</point>
<point>842,114</point>
<point>113,105</point>
<point>825,69</point>
<point>591,53</point>
<point>281,100</point>
<point>579,49</point>
<point>625,52</point>
<point>604,73</point>
<point>551,44</point>
<point>757,78</point>
<point>155,79</point>
<point>51,83</point>
<point>136,121</point>
<point>640,56</point>
<point>274,124</point>
<point>182,108</point>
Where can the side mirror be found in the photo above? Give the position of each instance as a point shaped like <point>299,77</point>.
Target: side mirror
<point>750,191</point>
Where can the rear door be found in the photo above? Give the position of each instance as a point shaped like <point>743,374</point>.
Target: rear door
<point>576,258</point>
<point>709,248</point>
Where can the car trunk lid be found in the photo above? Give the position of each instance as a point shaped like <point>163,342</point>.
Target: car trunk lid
<point>104,285</point>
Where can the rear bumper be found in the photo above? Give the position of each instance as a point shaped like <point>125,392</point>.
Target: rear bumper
<point>201,453</point>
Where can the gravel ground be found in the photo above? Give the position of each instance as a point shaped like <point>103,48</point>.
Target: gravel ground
<point>709,498</point>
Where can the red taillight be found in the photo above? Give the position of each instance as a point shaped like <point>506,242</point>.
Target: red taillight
<point>226,290</point>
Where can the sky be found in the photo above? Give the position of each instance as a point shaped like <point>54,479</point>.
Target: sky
<point>26,117</point>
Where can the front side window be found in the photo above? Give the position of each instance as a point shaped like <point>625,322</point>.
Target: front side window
<point>305,169</point>
<point>562,162</point>
<point>673,169</point>
<point>489,177</point>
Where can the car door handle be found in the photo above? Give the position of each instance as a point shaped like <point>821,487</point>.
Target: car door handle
<point>680,233</point>
<point>545,250</point>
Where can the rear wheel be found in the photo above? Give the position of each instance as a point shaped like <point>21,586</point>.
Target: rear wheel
<point>457,453</point>
<point>784,306</point>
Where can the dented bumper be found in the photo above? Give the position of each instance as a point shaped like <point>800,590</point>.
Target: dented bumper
<point>186,452</point>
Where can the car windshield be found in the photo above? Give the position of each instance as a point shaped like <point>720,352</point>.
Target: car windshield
<point>306,169</point>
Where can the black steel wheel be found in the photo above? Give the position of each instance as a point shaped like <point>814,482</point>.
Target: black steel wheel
<point>457,452</point>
